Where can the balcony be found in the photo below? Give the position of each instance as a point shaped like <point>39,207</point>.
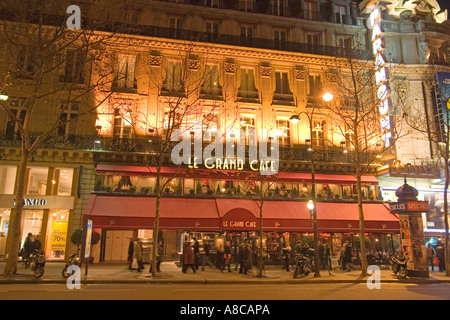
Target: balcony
<point>288,9</point>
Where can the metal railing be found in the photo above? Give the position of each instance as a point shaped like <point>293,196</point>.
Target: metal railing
<point>152,145</point>
<point>289,9</point>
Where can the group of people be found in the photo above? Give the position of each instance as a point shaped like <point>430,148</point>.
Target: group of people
<point>30,245</point>
<point>135,256</point>
<point>192,257</point>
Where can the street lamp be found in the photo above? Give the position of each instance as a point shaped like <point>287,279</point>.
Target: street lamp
<point>311,205</point>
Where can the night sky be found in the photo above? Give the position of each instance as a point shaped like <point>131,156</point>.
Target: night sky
<point>445,4</point>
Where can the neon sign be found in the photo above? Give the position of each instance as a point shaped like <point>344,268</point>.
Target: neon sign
<point>381,75</point>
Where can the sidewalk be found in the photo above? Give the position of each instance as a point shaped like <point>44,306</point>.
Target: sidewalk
<point>171,273</point>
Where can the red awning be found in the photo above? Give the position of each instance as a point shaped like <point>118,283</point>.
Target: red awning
<point>344,217</point>
<point>114,212</point>
<point>122,212</point>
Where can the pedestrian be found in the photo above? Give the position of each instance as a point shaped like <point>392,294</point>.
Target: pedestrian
<point>342,255</point>
<point>220,258</point>
<point>440,254</point>
<point>137,254</point>
<point>188,258</point>
<point>130,254</point>
<point>430,255</point>
<point>206,256</point>
<point>37,244</point>
<point>321,249</point>
<point>348,256</point>
<point>227,256</point>
<point>196,247</point>
<point>159,257</point>
<point>241,256</point>
<point>286,256</point>
<point>327,258</point>
<point>27,249</point>
<point>247,263</point>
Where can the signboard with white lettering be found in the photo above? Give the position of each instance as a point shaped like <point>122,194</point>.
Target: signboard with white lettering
<point>409,206</point>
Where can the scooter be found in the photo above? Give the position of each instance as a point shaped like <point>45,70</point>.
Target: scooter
<point>398,265</point>
<point>74,260</point>
<point>303,265</point>
<point>37,263</point>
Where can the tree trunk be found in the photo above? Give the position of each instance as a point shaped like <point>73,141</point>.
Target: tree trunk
<point>362,235</point>
<point>260,255</point>
<point>156,223</point>
<point>15,230</point>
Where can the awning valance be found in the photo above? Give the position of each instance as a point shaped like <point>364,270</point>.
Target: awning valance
<point>196,214</point>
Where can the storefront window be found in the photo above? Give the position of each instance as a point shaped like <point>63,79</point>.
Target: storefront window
<point>37,181</point>
<point>62,181</point>
<point>4,226</point>
<point>7,179</point>
<point>57,235</point>
<point>32,223</point>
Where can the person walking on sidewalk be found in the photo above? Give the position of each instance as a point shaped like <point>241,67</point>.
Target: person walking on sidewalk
<point>227,256</point>
<point>220,258</point>
<point>247,262</point>
<point>159,257</point>
<point>188,258</point>
<point>130,254</point>
<point>286,256</point>
<point>137,254</point>
<point>430,255</point>
<point>196,252</point>
<point>327,258</point>
<point>207,256</point>
<point>240,257</point>
<point>440,254</point>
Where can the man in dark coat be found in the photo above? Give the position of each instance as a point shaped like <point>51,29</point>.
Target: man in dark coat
<point>188,258</point>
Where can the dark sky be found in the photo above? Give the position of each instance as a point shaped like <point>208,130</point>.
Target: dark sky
<point>445,4</point>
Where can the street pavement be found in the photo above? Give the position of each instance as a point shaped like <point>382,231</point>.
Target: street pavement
<point>118,272</point>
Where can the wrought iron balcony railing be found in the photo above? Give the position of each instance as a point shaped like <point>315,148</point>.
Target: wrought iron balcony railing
<point>148,146</point>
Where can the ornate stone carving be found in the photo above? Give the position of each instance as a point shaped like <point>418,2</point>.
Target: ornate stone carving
<point>230,67</point>
<point>265,71</point>
<point>193,64</point>
<point>155,60</point>
<point>300,73</point>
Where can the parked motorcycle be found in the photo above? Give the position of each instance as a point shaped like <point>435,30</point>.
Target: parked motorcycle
<point>303,265</point>
<point>398,265</point>
<point>37,263</point>
<point>74,260</point>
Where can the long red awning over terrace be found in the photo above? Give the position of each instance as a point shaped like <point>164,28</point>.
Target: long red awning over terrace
<point>184,172</point>
<point>126,212</point>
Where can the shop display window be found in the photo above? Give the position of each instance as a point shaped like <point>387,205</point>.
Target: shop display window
<point>37,181</point>
<point>32,223</point>
<point>57,235</point>
<point>7,179</point>
<point>62,181</point>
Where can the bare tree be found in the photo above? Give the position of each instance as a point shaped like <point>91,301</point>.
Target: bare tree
<point>434,125</point>
<point>355,116</point>
<point>46,63</point>
<point>190,103</point>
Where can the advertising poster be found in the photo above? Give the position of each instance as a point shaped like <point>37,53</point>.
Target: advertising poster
<point>58,238</point>
<point>87,247</point>
<point>418,241</point>
<point>405,238</point>
<point>443,79</point>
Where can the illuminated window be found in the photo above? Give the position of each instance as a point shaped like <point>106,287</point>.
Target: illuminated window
<point>122,123</point>
<point>125,74</point>
<point>283,131</point>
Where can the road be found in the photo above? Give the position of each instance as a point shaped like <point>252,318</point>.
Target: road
<point>250,292</point>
